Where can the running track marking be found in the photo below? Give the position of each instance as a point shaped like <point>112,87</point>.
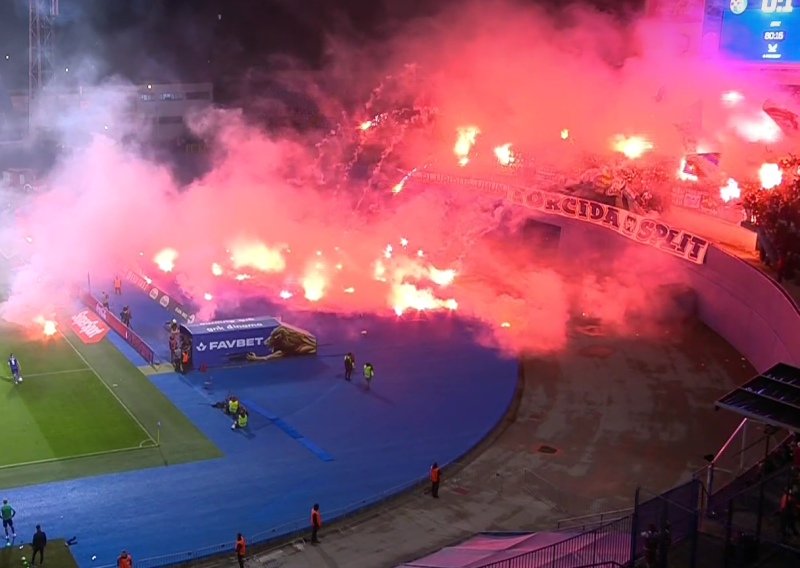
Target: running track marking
<point>96,374</point>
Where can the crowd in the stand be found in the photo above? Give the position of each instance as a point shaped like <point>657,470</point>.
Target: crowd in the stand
<point>776,214</point>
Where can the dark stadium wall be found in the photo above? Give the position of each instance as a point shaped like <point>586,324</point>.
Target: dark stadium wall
<point>738,301</point>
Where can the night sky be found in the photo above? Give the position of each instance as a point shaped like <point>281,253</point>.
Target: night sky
<point>201,40</point>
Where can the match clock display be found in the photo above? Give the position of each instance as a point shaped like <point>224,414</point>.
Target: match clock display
<point>764,31</point>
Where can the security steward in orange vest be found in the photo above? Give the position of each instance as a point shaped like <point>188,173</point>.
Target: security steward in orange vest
<point>316,522</point>
<point>184,361</point>
<point>435,480</point>
<point>124,560</point>
<point>117,286</point>
<point>788,514</point>
<point>240,548</point>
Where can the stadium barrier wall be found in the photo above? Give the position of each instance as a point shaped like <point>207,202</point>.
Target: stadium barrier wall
<point>139,344</point>
<point>738,301</point>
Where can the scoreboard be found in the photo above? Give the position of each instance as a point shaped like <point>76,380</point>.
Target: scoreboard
<point>765,32</point>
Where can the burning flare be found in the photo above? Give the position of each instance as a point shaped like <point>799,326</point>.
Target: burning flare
<point>730,190</point>
<point>165,259</point>
<point>49,327</point>
<point>504,155</point>
<point>465,142</point>
<point>408,296</point>
<point>259,256</point>
<point>732,98</point>
<point>633,147</point>
<point>770,175</point>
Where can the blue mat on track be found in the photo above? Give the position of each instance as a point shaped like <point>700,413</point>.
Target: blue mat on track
<point>312,437</point>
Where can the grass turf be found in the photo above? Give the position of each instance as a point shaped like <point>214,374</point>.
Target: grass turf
<point>61,409</point>
<point>180,440</point>
<point>56,555</point>
<point>84,409</point>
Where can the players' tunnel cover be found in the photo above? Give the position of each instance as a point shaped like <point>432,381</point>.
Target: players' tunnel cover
<point>772,398</point>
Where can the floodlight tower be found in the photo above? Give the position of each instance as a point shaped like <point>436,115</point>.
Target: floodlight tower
<point>41,47</point>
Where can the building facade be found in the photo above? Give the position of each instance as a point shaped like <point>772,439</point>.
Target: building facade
<point>162,107</point>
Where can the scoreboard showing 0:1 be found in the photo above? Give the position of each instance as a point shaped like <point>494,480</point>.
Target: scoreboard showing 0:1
<point>770,6</point>
<point>760,30</point>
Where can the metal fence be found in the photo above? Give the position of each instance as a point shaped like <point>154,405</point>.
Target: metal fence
<point>676,510</point>
<point>586,522</point>
<point>754,510</point>
<point>749,445</point>
<point>607,545</point>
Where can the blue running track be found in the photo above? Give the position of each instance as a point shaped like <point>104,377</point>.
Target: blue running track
<point>313,437</point>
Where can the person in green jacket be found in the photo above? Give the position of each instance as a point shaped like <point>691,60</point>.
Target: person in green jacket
<point>8,514</point>
<point>369,372</point>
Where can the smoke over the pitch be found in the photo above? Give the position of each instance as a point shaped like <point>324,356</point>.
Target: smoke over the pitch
<point>284,215</point>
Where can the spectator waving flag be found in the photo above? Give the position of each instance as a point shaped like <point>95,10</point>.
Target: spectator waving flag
<point>787,121</point>
<point>701,165</point>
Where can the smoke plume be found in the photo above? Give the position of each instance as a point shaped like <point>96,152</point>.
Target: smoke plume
<point>320,220</point>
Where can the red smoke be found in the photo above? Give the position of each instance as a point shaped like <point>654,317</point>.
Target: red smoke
<point>276,216</point>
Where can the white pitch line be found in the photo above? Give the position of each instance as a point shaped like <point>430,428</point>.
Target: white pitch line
<point>79,456</point>
<point>96,374</point>
<point>57,373</point>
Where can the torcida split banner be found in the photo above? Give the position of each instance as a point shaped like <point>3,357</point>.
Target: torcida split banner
<point>638,228</point>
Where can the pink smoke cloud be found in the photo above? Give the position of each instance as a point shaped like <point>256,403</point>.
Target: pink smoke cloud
<point>278,215</point>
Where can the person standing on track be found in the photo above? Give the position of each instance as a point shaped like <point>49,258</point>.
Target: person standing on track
<point>240,548</point>
<point>117,286</point>
<point>13,364</point>
<point>369,372</point>
<point>8,514</point>
<point>349,365</point>
<point>124,560</point>
<point>316,523</point>
<point>435,480</point>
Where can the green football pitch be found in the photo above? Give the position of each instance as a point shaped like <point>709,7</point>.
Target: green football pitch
<point>57,555</point>
<point>84,409</point>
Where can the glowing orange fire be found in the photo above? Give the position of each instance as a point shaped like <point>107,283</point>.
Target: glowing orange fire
<point>504,155</point>
<point>770,175</point>
<point>465,142</point>
<point>632,146</point>
<point>165,259</point>
<point>49,327</point>
<point>730,190</point>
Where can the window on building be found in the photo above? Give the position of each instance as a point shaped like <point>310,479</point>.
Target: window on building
<point>148,96</point>
<point>170,119</point>
<point>198,96</point>
<point>171,96</point>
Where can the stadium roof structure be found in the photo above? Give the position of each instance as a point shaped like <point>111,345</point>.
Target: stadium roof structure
<point>772,397</point>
